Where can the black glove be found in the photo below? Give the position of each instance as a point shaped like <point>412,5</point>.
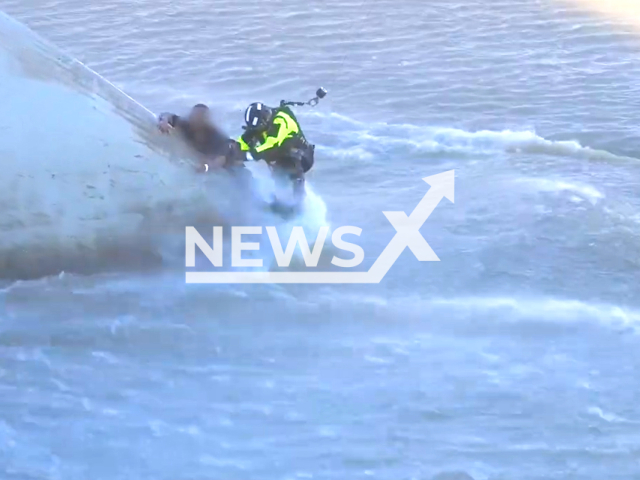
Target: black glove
<point>249,137</point>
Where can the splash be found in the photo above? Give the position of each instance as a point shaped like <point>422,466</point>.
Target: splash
<point>88,183</point>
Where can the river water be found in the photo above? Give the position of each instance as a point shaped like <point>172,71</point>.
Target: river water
<point>514,357</point>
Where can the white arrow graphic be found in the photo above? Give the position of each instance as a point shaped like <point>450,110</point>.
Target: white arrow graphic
<point>407,235</point>
<point>408,228</point>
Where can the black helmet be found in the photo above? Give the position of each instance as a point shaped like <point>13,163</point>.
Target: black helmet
<point>257,116</point>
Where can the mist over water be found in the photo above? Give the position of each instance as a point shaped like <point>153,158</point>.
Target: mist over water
<point>515,356</point>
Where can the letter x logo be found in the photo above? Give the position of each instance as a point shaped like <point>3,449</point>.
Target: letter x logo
<point>408,227</point>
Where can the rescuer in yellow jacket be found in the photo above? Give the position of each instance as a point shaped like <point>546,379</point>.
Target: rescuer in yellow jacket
<point>274,135</point>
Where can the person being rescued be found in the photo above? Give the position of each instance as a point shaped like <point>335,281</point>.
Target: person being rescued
<point>274,135</point>
<point>214,149</point>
